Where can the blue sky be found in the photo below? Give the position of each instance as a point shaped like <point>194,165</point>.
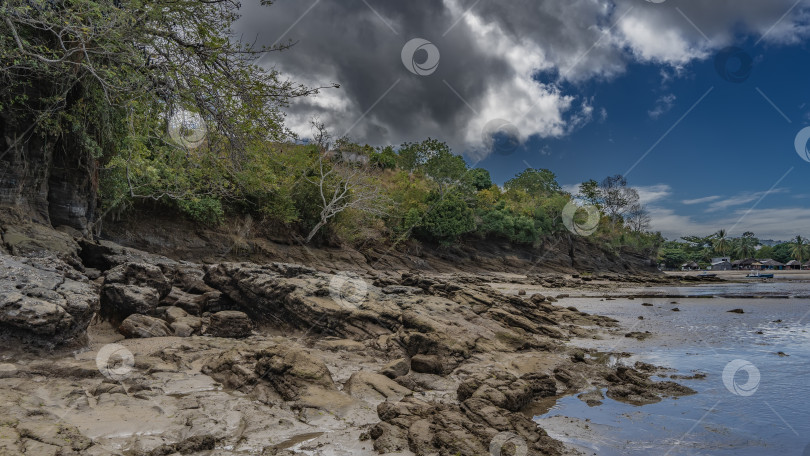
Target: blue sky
<point>715,165</point>
<point>589,87</point>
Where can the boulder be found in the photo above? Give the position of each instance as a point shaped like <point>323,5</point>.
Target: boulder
<point>44,300</point>
<point>144,326</point>
<point>119,301</point>
<point>182,329</point>
<point>229,323</point>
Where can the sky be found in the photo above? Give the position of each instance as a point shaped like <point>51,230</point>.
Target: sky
<point>698,104</point>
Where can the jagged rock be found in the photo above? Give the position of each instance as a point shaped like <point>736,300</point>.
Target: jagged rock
<point>485,411</point>
<point>396,368</point>
<point>144,326</point>
<point>230,323</point>
<point>119,301</point>
<point>142,275</point>
<point>44,300</point>
<point>104,255</point>
<point>291,370</point>
<point>191,303</point>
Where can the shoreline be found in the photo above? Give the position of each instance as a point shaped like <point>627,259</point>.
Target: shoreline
<point>323,376</point>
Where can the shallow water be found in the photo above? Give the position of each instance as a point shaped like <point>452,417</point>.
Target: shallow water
<point>732,414</point>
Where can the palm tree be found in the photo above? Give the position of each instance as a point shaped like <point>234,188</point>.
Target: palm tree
<point>721,242</point>
<point>746,246</point>
<point>800,247</point>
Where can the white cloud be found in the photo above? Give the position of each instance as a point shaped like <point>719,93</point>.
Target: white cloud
<point>653,193</point>
<point>662,106</point>
<point>743,198</point>
<point>705,199</point>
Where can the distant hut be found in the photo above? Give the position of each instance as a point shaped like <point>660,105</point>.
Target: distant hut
<point>723,265</point>
<point>793,264</point>
<point>771,264</point>
<point>747,263</point>
<point>690,266</point>
<point>806,265</point>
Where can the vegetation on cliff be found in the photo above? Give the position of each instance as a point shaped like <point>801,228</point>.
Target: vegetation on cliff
<point>163,103</point>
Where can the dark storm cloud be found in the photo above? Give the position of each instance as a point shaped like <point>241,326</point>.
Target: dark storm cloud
<point>491,57</point>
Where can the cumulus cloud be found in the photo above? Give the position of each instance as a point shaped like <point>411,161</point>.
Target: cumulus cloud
<point>510,60</point>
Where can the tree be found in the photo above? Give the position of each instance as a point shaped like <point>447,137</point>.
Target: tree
<point>415,155</point>
<point>589,191</point>
<point>746,246</point>
<point>782,252</point>
<point>800,249</point>
<point>341,185</point>
<point>106,78</point>
<point>478,178</point>
<point>445,168</point>
<point>616,197</point>
<point>721,242</point>
<point>539,182</point>
<point>638,219</point>
<point>673,255</point>
<point>447,219</point>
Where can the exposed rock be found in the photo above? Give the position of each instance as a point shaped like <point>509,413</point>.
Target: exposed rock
<point>119,301</point>
<point>144,326</point>
<point>396,368</point>
<point>230,323</point>
<point>427,364</point>
<point>486,411</point>
<point>44,300</point>
<point>142,275</point>
<point>374,387</point>
<point>737,311</point>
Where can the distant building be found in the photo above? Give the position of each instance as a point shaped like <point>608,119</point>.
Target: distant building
<point>793,264</point>
<point>724,265</point>
<point>743,264</point>
<point>721,259</point>
<point>690,266</point>
<point>768,264</point>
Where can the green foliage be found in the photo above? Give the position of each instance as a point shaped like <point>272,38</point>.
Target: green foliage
<point>446,220</point>
<point>478,179</point>
<point>204,210</point>
<point>783,252</point>
<point>534,181</point>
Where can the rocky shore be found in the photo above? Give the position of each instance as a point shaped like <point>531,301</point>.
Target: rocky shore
<point>116,351</point>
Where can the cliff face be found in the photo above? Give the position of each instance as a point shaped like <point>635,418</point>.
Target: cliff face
<point>45,178</point>
<point>241,240</point>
